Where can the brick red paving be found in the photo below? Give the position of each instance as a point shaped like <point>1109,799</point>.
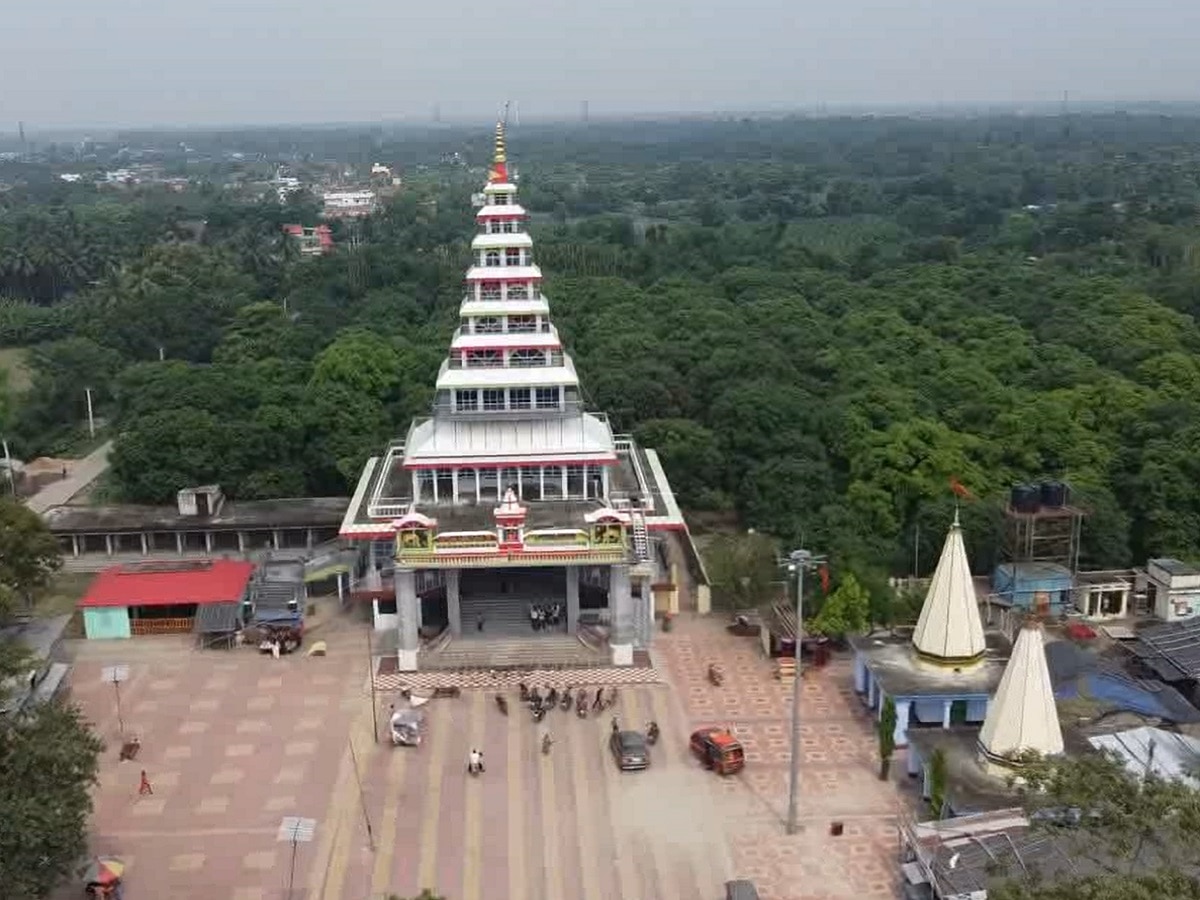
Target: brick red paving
<point>233,741</point>
<point>838,775</point>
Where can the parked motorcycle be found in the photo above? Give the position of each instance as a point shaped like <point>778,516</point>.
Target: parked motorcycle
<point>716,675</point>
<point>547,742</point>
<point>581,705</point>
<point>524,688</point>
<point>652,733</point>
<point>539,713</point>
<point>502,704</point>
<point>567,700</point>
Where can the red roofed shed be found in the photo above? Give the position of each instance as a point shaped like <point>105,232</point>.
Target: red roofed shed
<point>160,598</point>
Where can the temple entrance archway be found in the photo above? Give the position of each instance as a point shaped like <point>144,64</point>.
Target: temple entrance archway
<point>497,602</point>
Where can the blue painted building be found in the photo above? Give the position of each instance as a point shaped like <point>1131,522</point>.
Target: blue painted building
<point>1028,585</point>
<point>945,672</point>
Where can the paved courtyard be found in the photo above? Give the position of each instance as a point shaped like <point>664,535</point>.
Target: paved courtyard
<point>233,741</point>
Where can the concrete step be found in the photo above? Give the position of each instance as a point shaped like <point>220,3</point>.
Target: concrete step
<point>540,651</point>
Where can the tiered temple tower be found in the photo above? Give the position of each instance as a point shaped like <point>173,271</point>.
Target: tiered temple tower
<point>511,471</point>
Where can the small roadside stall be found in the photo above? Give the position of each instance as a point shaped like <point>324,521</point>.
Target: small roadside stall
<point>778,636</point>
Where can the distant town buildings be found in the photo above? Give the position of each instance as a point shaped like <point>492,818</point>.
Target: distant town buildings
<point>348,204</point>
<point>311,241</point>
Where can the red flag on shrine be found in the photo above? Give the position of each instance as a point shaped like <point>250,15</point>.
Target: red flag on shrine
<point>959,491</point>
<point>824,573</point>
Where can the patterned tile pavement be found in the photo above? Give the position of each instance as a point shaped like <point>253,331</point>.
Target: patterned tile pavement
<point>233,741</point>
<point>838,780</point>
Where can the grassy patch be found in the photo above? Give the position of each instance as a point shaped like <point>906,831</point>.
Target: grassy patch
<point>14,362</point>
<point>64,592</point>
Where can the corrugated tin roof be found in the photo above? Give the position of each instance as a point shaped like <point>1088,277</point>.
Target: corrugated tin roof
<point>1146,749</point>
<point>167,584</point>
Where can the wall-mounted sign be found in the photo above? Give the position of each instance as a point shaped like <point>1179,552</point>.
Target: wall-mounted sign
<point>414,540</point>
<point>556,538</point>
<point>608,534</point>
<point>480,540</point>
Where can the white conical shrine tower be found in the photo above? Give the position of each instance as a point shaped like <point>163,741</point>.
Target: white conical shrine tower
<point>950,632</point>
<point>1022,716</point>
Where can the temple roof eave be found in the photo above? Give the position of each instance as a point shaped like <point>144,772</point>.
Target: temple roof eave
<point>546,340</point>
<point>539,376</point>
<point>538,306</point>
<point>583,436</point>
<point>501,240</point>
<point>504,273</point>
<point>509,211</point>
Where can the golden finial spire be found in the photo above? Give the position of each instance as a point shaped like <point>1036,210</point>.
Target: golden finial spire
<point>500,155</point>
<point>498,174</point>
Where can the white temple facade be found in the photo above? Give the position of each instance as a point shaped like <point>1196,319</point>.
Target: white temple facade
<point>511,485</point>
<point>1022,717</point>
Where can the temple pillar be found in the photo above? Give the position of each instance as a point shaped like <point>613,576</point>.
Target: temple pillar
<point>620,605</point>
<point>947,707</point>
<point>408,619</point>
<point>901,733</point>
<point>241,536</point>
<point>74,545</point>
<point>645,615</point>
<point>454,601</point>
<point>108,544</point>
<point>179,542</point>
<point>572,599</point>
<point>208,542</point>
<point>145,543</point>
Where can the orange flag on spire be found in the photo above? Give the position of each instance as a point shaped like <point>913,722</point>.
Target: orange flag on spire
<point>959,490</point>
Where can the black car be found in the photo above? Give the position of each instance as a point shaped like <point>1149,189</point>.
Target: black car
<point>629,750</point>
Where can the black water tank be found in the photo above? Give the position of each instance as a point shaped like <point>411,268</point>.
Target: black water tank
<point>1054,494</point>
<point>1026,498</point>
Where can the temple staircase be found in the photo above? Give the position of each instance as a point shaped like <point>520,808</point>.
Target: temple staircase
<point>507,641</point>
<point>641,537</point>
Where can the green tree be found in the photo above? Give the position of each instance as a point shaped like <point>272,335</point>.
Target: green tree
<point>48,754</point>
<point>50,759</point>
<point>743,569</point>
<point>846,611</point>
<point>29,556</point>
<point>885,730</point>
<point>937,783</point>
<point>1137,834</point>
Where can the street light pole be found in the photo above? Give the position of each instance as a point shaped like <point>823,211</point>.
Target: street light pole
<point>798,562</point>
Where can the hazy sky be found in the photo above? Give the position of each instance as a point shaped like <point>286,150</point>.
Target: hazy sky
<point>141,62</point>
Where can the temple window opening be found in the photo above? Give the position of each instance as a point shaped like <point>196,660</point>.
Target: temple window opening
<point>488,325</point>
<point>522,324</point>
<point>490,290</point>
<point>520,398</point>
<point>491,258</point>
<point>493,399</point>
<point>548,398</point>
<point>512,257</point>
<point>466,401</point>
<point>526,358</point>
<point>485,359</point>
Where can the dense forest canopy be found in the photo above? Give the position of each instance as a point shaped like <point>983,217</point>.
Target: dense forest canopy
<point>817,322</point>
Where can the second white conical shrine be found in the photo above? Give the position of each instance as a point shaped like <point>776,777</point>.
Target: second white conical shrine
<point>949,631</point>
<point>1022,716</point>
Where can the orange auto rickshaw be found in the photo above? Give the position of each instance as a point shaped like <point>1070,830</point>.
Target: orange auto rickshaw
<point>718,750</point>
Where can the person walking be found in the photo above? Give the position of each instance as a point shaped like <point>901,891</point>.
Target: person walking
<point>145,788</point>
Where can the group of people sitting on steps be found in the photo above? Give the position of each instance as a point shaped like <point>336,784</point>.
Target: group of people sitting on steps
<point>545,616</point>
